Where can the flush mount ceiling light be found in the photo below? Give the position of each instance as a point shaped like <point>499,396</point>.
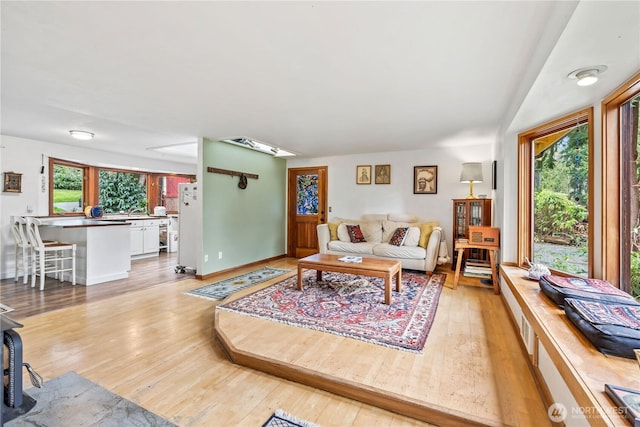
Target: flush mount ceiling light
<point>588,75</point>
<point>81,134</point>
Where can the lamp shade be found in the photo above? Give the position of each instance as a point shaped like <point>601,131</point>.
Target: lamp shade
<point>471,172</point>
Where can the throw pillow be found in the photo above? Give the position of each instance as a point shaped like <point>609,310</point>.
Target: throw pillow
<point>425,233</point>
<point>413,237</point>
<point>398,236</point>
<point>355,234</point>
<point>333,230</point>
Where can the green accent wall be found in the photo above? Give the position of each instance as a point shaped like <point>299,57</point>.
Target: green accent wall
<point>245,225</point>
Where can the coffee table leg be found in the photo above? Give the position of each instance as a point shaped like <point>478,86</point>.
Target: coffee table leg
<point>318,275</point>
<point>399,280</point>
<point>387,288</point>
<point>299,277</point>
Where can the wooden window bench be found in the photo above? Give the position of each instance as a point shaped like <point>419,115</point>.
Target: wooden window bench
<point>569,369</point>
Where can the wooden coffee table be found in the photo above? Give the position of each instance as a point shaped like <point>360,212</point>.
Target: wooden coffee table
<point>371,267</point>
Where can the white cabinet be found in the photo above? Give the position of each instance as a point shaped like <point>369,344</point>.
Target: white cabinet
<point>137,240</point>
<point>145,237</point>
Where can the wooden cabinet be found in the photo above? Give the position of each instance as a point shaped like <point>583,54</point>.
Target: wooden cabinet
<point>468,212</point>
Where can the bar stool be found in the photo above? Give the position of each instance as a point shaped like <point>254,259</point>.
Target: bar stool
<point>49,258</point>
<point>23,248</point>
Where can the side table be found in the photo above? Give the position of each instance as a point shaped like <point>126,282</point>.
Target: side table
<point>461,246</point>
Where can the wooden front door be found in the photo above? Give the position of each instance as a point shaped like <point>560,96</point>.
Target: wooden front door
<point>307,205</point>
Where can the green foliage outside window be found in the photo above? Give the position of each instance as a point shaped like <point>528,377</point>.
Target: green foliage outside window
<point>122,192</point>
<point>561,200</point>
<point>67,178</point>
<point>557,215</point>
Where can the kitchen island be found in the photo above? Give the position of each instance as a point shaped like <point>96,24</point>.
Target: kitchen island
<point>102,253</point>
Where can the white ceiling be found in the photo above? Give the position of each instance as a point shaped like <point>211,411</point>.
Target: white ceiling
<point>315,78</point>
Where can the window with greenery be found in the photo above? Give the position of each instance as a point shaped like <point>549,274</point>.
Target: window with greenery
<point>554,199</point>
<point>561,200</point>
<point>120,192</point>
<point>68,189</point>
<point>621,181</point>
<point>74,186</point>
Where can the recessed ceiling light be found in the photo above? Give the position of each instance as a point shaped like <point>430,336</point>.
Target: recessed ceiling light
<point>588,75</point>
<point>81,134</point>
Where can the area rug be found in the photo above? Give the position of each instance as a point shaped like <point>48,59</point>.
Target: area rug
<point>224,288</point>
<point>282,419</point>
<point>351,306</point>
<point>71,400</point>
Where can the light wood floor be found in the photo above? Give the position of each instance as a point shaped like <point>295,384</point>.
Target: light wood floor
<point>155,346</point>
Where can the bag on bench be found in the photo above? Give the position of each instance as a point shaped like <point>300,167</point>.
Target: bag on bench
<point>613,328</point>
<point>557,288</point>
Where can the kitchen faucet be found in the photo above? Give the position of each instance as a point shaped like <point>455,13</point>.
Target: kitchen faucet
<point>134,210</point>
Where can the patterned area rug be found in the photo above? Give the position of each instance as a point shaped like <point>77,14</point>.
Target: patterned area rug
<point>282,419</point>
<point>351,306</point>
<point>222,289</point>
<point>71,400</point>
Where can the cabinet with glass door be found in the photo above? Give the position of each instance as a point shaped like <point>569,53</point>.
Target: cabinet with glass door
<point>466,212</point>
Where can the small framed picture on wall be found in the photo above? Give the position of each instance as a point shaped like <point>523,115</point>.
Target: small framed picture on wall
<point>383,174</point>
<point>425,179</point>
<point>363,174</point>
<point>12,182</point>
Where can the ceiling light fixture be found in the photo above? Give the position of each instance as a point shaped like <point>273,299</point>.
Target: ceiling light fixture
<point>81,134</point>
<point>588,75</point>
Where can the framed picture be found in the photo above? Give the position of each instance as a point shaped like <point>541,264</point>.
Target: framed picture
<point>383,174</point>
<point>627,400</point>
<point>425,179</point>
<point>363,174</point>
<point>12,182</point>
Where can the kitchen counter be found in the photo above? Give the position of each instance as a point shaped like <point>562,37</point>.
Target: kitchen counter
<point>102,247</point>
<point>71,223</point>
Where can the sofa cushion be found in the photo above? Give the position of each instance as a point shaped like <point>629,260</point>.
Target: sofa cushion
<point>413,237</point>
<point>402,217</point>
<point>425,232</point>
<point>355,234</point>
<point>372,230</point>
<point>389,227</point>
<point>363,248</point>
<point>390,251</point>
<point>398,236</point>
<point>333,230</point>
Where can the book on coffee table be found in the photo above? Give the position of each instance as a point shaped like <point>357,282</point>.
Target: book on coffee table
<point>350,258</point>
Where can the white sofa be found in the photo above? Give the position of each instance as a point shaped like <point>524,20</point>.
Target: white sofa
<point>419,250</point>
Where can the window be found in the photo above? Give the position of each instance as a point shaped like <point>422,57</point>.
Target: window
<point>68,190</point>
<point>620,172</point>
<point>120,191</point>
<point>75,186</point>
<point>555,169</point>
<point>166,191</point>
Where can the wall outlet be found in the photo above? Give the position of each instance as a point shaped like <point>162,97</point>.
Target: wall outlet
<point>206,257</point>
<point>219,255</point>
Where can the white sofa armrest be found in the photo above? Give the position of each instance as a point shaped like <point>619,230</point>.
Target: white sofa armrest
<point>323,237</point>
<point>433,248</point>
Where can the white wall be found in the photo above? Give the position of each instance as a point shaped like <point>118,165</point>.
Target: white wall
<point>25,156</point>
<point>350,200</point>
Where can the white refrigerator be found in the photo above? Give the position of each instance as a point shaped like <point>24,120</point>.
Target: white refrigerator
<point>188,220</point>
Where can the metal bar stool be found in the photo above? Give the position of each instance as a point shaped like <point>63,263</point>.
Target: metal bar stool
<point>50,258</point>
